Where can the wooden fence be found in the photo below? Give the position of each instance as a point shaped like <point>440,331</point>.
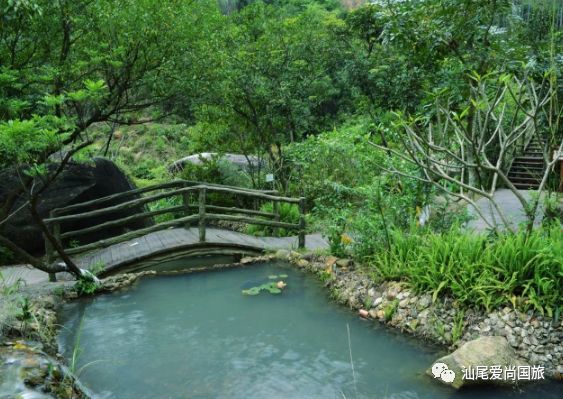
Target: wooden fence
<point>194,209</point>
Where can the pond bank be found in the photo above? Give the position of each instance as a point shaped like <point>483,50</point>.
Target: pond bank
<point>535,338</point>
<point>29,361</point>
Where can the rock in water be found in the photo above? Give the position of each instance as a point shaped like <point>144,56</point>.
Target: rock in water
<point>78,183</point>
<point>481,353</point>
<point>27,372</point>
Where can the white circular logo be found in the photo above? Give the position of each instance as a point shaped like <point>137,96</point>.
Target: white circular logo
<point>441,370</point>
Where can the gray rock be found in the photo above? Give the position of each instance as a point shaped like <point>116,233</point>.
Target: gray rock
<point>424,302</point>
<point>27,372</point>
<point>282,254</point>
<point>483,351</point>
<point>77,183</point>
<point>240,161</point>
<point>513,341</point>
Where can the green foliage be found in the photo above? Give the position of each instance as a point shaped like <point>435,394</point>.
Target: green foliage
<point>335,234</point>
<point>355,204</point>
<point>552,208</point>
<point>327,168</point>
<point>476,270</point>
<point>86,286</point>
<point>457,326</point>
<point>390,309</point>
<point>218,171</point>
<point>289,213</point>
<point>10,289</point>
<point>24,314</point>
<point>279,78</point>
<point>163,204</point>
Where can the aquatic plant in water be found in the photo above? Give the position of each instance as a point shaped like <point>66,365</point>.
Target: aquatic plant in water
<point>272,287</point>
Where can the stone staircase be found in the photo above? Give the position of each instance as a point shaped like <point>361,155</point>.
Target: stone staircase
<point>527,169</point>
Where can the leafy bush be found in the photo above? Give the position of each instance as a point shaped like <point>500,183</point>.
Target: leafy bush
<point>217,171</point>
<point>526,271</point>
<point>208,171</point>
<point>289,213</point>
<point>84,286</point>
<point>328,168</point>
<point>340,174</point>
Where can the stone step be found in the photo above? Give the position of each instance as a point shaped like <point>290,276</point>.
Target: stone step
<point>527,158</point>
<point>524,180</point>
<point>523,186</point>
<point>520,174</point>
<point>527,168</point>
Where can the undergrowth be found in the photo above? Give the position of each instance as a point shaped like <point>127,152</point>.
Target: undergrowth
<point>479,270</point>
<point>289,213</point>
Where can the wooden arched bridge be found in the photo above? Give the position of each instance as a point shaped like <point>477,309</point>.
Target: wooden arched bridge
<point>183,221</point>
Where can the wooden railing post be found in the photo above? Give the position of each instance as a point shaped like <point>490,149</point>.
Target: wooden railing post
<point>276,216</point>
<point>202,194</point>
<point>301,233</point>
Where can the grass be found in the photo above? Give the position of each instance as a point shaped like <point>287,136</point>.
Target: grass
<point>478,270</point>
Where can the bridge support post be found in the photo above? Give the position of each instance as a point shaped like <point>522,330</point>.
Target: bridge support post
<point>186,203</point>
<point>202,195</point>
<point>49,249</point>
<point>301,222</point>
<point>50,255</point>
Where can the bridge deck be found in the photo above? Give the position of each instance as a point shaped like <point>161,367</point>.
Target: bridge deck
<point>177,239</point>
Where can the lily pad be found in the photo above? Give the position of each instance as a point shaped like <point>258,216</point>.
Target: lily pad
<point>272,289</point>
<point>272,277</point>
<point>252,291</point>
<point>283,276</point>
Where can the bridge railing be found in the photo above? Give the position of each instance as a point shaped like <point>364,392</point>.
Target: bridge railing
<point>194,209</point>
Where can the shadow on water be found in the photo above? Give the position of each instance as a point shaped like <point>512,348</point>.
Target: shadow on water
<point>197,336</point>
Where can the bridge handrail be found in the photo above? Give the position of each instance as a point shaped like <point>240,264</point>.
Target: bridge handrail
<point>202,215</point>
<point>152,198</point>
<point>161,186</point>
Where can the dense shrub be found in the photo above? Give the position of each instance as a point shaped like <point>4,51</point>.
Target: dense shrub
<point>215,170</point>
<point>525,271</point>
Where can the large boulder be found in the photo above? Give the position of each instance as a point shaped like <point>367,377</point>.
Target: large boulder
<point>242,162</point>
<point>78,183</point>
<point>478,362</point>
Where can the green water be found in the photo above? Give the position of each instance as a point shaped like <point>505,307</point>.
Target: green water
<point>197,336</point>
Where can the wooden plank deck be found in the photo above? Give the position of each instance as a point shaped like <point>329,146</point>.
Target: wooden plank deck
<point>181,239</point>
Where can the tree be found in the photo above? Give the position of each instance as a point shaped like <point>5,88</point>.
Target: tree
<point>66,65</point>
<point>509,113</point>
<point>280,78</point>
